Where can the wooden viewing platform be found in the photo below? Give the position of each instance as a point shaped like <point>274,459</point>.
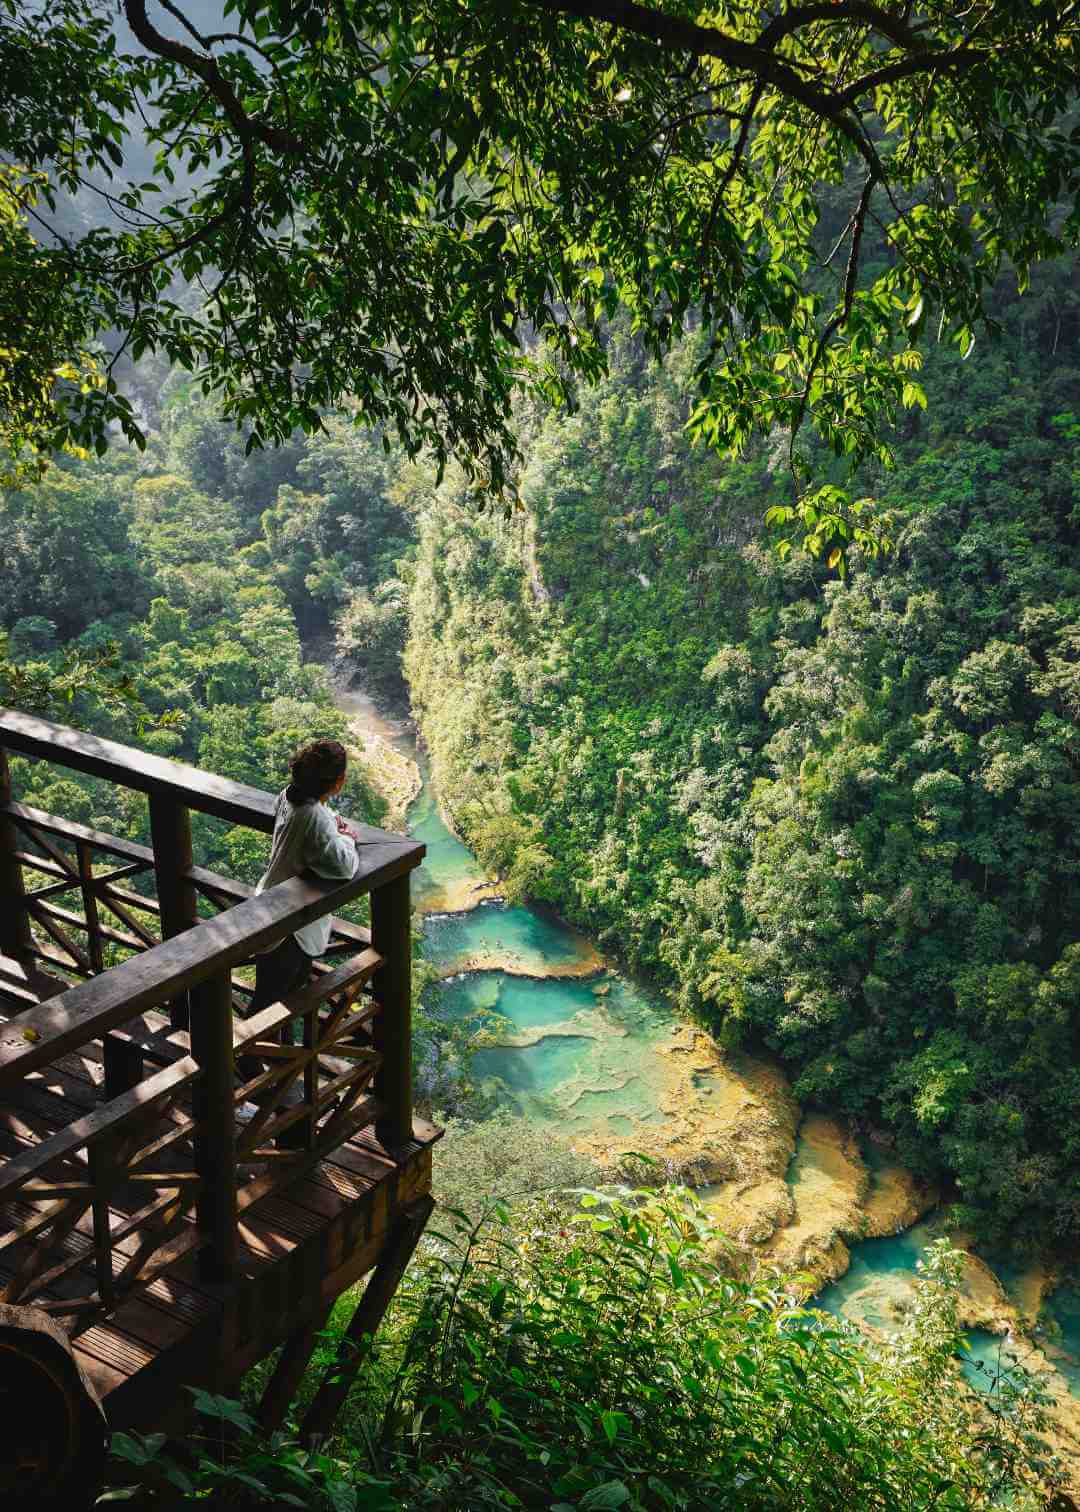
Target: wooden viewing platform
<point>179,1221</point>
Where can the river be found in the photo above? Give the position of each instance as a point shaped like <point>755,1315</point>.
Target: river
<point>571,1041</point>
<point>567,1039</point>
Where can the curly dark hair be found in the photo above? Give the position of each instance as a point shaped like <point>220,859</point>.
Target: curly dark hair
<point>315,768</point>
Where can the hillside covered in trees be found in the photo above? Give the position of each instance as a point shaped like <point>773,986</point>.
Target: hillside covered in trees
<point>836,817</point>
<point>566,328</point>
<point>833,817</point>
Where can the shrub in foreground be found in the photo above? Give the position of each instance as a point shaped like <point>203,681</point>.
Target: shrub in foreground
<point>613,1363</point>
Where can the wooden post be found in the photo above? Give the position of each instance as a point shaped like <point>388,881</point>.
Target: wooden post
<point>356,1341</point>
<point>170,835</point>
<point>15,936</point>
<point>102,1157</point>
<point>391,936</point>
<point>90,908</point>
<point>124,1065</point>
<point>311,1077</point>
<point>289,1372</point>
<point>215,1134</point>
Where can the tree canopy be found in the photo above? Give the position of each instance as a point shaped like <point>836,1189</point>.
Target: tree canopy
<point>379,205</point>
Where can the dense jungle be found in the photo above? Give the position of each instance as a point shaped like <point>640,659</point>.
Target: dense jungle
<point>833,818</point>
<point>830,818</point>
<point>476,386</point>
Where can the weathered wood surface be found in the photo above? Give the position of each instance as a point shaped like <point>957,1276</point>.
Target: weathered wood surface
<point>22,984</point>
<point>391,926</point>
<point>227,890</point>
<point>178,901</point>
<point>327,1224</point>
<point>180,1233</point>
<point>355,1343</point>
<point>189,786</point>
<point>297,1250</point>
<point>234,802</point>
<point>54,1427</point>
<point>67,829</point>
<point>145,981</point>
<point>141,1140</point>
<point>213,1106</point>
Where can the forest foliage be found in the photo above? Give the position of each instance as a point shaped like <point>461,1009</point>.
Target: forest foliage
<point>837,818</point>
<point>169,569</point>
<point>834,818</point>
<point>376,207</point>
<point>612,1362</point>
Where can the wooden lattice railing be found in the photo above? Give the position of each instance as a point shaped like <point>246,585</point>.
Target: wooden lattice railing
<point>43,837</point>
<point>59,1198</point>
<point>122,1184</point>
<point>115,1172</point>
<point>75,943</point>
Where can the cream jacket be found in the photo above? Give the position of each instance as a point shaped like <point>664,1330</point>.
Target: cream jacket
<point>306,838</point>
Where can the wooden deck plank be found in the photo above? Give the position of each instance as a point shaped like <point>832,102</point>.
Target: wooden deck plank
<point>285,1216</point>
<point>345,1184</point>
<point>104,1378</point>
<point>261,1244</point>
<point>317,1196</point>
<point>118,1350</point>
<point>156,1328</point>
<point>300,1246</point>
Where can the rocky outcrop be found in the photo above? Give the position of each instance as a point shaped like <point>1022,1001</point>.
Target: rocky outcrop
<point>589,964</point>
<point>788,1191</point>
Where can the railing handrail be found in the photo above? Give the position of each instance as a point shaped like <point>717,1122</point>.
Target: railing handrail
<point>42,1034</point>
<point>123,765</point>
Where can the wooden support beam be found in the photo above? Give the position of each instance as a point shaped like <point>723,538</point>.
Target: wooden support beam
<point>391,936</point>
<point>371,1309</point>
<point>67,1141</point>
<point>103,1175</point>
<point>15,936</point>
<point>131,768</point>
<point>170,832</point>
<point>124,1064</point>
<point>37,822</point>
<point>289,1372</point>
<point>215,1132</point>
<point>90,908</point>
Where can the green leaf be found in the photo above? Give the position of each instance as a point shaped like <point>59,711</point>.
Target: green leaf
<point>612,1423</point>
<point>611,1494</point>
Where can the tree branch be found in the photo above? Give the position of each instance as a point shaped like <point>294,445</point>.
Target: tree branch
<point>178,15</point>
<point>849,10</point>
<point>247,128</point>
<point>687,36</point>
<point>741,141</point>
<point>857,225</point>
<point>959,59</point>
<point>705,41</point>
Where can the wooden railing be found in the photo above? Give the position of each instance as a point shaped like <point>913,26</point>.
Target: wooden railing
<point>166,1163</point>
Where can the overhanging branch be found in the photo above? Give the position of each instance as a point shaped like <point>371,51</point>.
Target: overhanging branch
<point>249,129</point>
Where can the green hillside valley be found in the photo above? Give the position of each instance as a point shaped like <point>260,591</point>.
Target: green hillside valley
<point>641,444</point>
